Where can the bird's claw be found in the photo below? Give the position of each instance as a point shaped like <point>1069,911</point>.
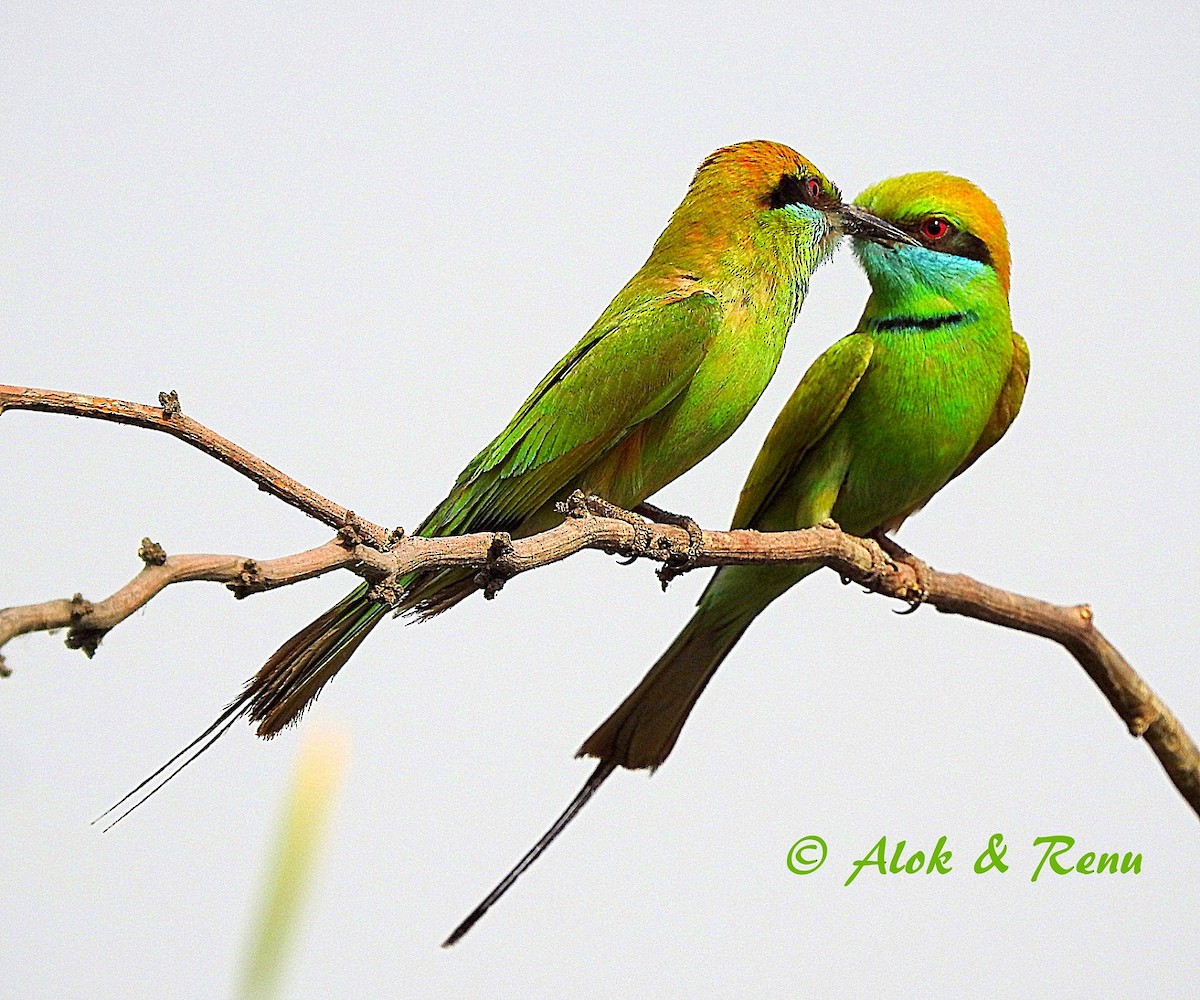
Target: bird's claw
<point>580,504</point>
<point>676,563</point>
<point>576,505</point>
<point>898,554</point>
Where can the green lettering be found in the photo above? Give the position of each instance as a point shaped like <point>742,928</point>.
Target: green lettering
<point>1051,854</point>
<point>993,857</point>
<point>939,860</point>
<point>875,857</point>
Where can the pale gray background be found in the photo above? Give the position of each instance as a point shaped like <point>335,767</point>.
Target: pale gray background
<point>353,241</point>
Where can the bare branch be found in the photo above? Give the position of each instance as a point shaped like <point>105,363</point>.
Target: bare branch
<point>384,557</point>
<point>170,419</point>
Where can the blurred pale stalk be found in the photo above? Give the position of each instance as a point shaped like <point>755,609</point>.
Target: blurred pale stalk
<point>320,764</point>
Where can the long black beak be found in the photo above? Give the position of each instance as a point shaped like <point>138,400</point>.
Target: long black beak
<point>862,225</point>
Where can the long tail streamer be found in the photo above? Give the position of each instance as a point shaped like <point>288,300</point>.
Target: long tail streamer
<point>599,776</point>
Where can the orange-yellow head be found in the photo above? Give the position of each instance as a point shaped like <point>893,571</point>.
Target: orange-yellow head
<point>761,206</point>
<point>946,215</point>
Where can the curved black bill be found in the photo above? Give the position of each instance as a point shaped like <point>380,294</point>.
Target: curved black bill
<point>862,225</point>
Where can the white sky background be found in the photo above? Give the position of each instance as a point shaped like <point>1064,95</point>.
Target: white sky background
<point>353,242</point>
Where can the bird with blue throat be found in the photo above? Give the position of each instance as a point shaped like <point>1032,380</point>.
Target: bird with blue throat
<point>931,378</point>
<point>664,376</point>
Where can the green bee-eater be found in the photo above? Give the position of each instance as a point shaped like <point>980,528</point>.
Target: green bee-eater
<point>664,376</point>
<point>931,378</point>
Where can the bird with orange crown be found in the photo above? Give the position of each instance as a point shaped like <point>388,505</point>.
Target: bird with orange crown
<point>664,376</point>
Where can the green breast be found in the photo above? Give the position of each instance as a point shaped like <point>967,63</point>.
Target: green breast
<point>916,415</point>
<point>737,367</point>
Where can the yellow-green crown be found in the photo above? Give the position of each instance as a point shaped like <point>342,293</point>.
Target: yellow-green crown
<point>905,199</point>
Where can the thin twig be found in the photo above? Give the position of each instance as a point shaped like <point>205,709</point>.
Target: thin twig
<point>169,418</point>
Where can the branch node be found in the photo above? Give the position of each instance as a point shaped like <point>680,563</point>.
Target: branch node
<point>394,538</point>
<point>498,569</point>
<point>151,553</point>
<point>80,607</point>
<point>87,639</point>
<point>349,532</point>
<point>1143,719</point>
<point>169,401</point>
<point>249,581</point>
<point>1086,615</point>
<point>387,592</point>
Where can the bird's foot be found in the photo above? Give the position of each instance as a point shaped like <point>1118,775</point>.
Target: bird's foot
<point>898,554</point>
<point>580,504</point>
<point>677,563</point>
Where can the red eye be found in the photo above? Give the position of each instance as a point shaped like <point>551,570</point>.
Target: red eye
<point>812,187</point>
<point>934,228</point>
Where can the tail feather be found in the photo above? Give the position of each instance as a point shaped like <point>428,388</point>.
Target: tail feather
<point>297,672</point>
<point>598,777</point>
<point>167,771</point>
<point>282,689</point>
<point>439,592</point>
<point>642,732</point>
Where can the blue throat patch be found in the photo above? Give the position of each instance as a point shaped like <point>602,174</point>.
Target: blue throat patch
<point>903,267</point>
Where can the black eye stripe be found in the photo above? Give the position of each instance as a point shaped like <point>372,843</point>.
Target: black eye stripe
<point>789,191</point>
<point>792,189</point>
<point>957,242</point>
<point>966,245</point>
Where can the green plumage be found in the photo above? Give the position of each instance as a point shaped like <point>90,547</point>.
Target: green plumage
<point>664,376</point>
<point>931,379</point>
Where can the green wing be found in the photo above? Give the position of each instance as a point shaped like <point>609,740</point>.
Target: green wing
<point>1008,405</point>
<point>804,420</point>
<point>627,368</point>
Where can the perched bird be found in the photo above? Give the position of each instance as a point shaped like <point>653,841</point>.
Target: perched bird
<point>930,380</point>
<point>664,376</point>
